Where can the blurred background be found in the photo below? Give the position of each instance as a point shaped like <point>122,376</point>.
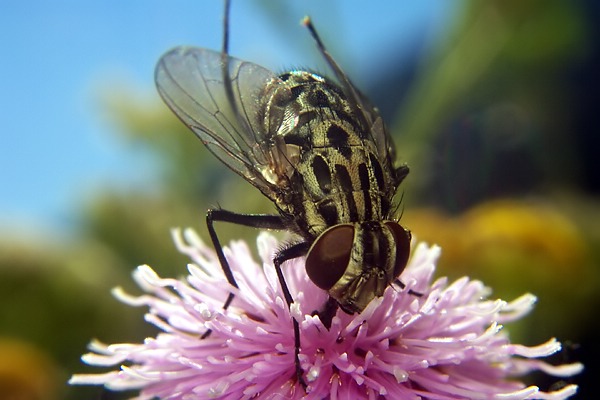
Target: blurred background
<point>492,104</point>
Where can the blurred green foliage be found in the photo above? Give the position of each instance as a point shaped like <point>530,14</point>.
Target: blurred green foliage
<point>488,126</point>
<point>498,92</point>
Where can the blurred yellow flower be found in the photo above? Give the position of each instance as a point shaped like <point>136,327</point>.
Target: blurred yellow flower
<point>504,231</point>
<point>26,373</point>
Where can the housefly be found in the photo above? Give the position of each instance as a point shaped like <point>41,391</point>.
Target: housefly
<point>317,149</point>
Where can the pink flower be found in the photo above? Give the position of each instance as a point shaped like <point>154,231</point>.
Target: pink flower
<point>446,344</point>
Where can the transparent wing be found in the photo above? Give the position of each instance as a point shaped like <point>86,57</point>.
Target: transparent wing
<point>367,114</point>
<point>191,81</point>
<point>370,117</point>
<point>383,141</point>
<point>387,150</point>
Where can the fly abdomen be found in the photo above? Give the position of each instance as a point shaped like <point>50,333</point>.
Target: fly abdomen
<point>338,190</point>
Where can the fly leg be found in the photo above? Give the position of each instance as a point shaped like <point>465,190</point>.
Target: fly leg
<point>264,222</point>
<point>289,253</point>
<point>260,221</point>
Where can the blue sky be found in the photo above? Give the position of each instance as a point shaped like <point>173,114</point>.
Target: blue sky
<point>56,146</point>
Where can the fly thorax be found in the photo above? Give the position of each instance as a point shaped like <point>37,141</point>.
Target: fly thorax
<point>356,262</point>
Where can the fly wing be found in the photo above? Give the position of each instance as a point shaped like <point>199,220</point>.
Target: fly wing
<point>367,115</point>
<point>383,140</point>
<point>218,98</point>
<point>384,143</point>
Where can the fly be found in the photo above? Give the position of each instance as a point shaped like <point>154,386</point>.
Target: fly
<point>317,149</point>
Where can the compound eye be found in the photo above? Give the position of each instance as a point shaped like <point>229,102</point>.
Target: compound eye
<point>329,255</point>
<point>402,238</point>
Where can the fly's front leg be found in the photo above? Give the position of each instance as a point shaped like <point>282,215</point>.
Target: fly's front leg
<point>294,251</point>
<point>255,221</point>
<point>289,253</point>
